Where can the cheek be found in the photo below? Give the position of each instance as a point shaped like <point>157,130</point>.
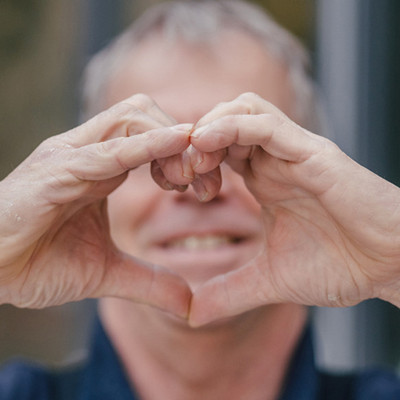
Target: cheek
<point>129,205</point>
<point>233,186</point>
<point>249,201</point>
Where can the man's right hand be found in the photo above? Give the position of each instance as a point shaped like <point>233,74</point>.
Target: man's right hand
<point>55,245</point>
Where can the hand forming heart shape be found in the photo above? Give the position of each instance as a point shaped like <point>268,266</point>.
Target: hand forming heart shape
<point>332,231</point>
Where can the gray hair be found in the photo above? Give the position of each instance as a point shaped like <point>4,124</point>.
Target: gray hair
<point>201,21</point>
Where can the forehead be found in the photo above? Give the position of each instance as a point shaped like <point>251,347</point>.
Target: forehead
<point>188,79</point>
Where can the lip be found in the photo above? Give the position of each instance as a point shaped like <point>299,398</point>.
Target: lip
<point>225,256</point>
<point>232,225</point>
<point>227,252</point>
<point>205,241</point>
<point>195,265</point>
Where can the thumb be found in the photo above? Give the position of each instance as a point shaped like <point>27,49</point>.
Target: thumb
<point>133,279</point>
<point>233,293</point>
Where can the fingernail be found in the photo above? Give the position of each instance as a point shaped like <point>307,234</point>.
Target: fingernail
<point>199,189</point>
<point>180,188</point>
<point>187,170</point>
<point>168,186</point>
<point>196,157</point>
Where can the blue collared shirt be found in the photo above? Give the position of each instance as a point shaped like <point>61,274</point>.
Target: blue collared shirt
<point>102,377</point>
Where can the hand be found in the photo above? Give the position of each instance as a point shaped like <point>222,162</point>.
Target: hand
<point>200,170</point>
<point>332,228</point>
<point>55,245</point>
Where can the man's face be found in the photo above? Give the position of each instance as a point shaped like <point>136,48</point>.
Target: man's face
<point>196,240</point>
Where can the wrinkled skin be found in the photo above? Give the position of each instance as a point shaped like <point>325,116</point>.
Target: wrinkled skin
<point>55,241</point>
<point>332,227</point>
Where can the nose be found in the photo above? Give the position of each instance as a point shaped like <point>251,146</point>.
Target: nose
<point>232,188</point>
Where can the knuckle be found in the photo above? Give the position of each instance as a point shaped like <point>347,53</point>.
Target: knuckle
<point>248,96</point>
<point>142,101</point>
<point>52,140</point>
<point>221,104</point>
<point>248,102</point>
<point>46,143</point>
<point>108,146</point>
<point>273,120</point>
<point>124,112</point>
<point>137,104</point>
<point>124,116</point>
<point>109,150</point>
<point>117,111</point>
<point>50,148</point>
<point>326,145</point>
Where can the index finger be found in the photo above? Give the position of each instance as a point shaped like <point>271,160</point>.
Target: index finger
<point>132,116</point>
<point>99,161</point>
<point>279,137</point>
<point>245,104</point>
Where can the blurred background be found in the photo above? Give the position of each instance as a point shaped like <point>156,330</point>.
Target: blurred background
<point>44,46</point>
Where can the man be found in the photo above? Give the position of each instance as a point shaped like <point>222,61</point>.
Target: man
<point>275,218</point>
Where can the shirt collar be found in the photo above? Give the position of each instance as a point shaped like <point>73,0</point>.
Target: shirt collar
<point>105,378</point>
<point>302,380</point>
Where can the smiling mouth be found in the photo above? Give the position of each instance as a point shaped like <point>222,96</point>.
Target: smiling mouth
<point>204,242</point>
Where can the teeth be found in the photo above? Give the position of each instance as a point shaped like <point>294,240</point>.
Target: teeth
<point>201,242</point>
